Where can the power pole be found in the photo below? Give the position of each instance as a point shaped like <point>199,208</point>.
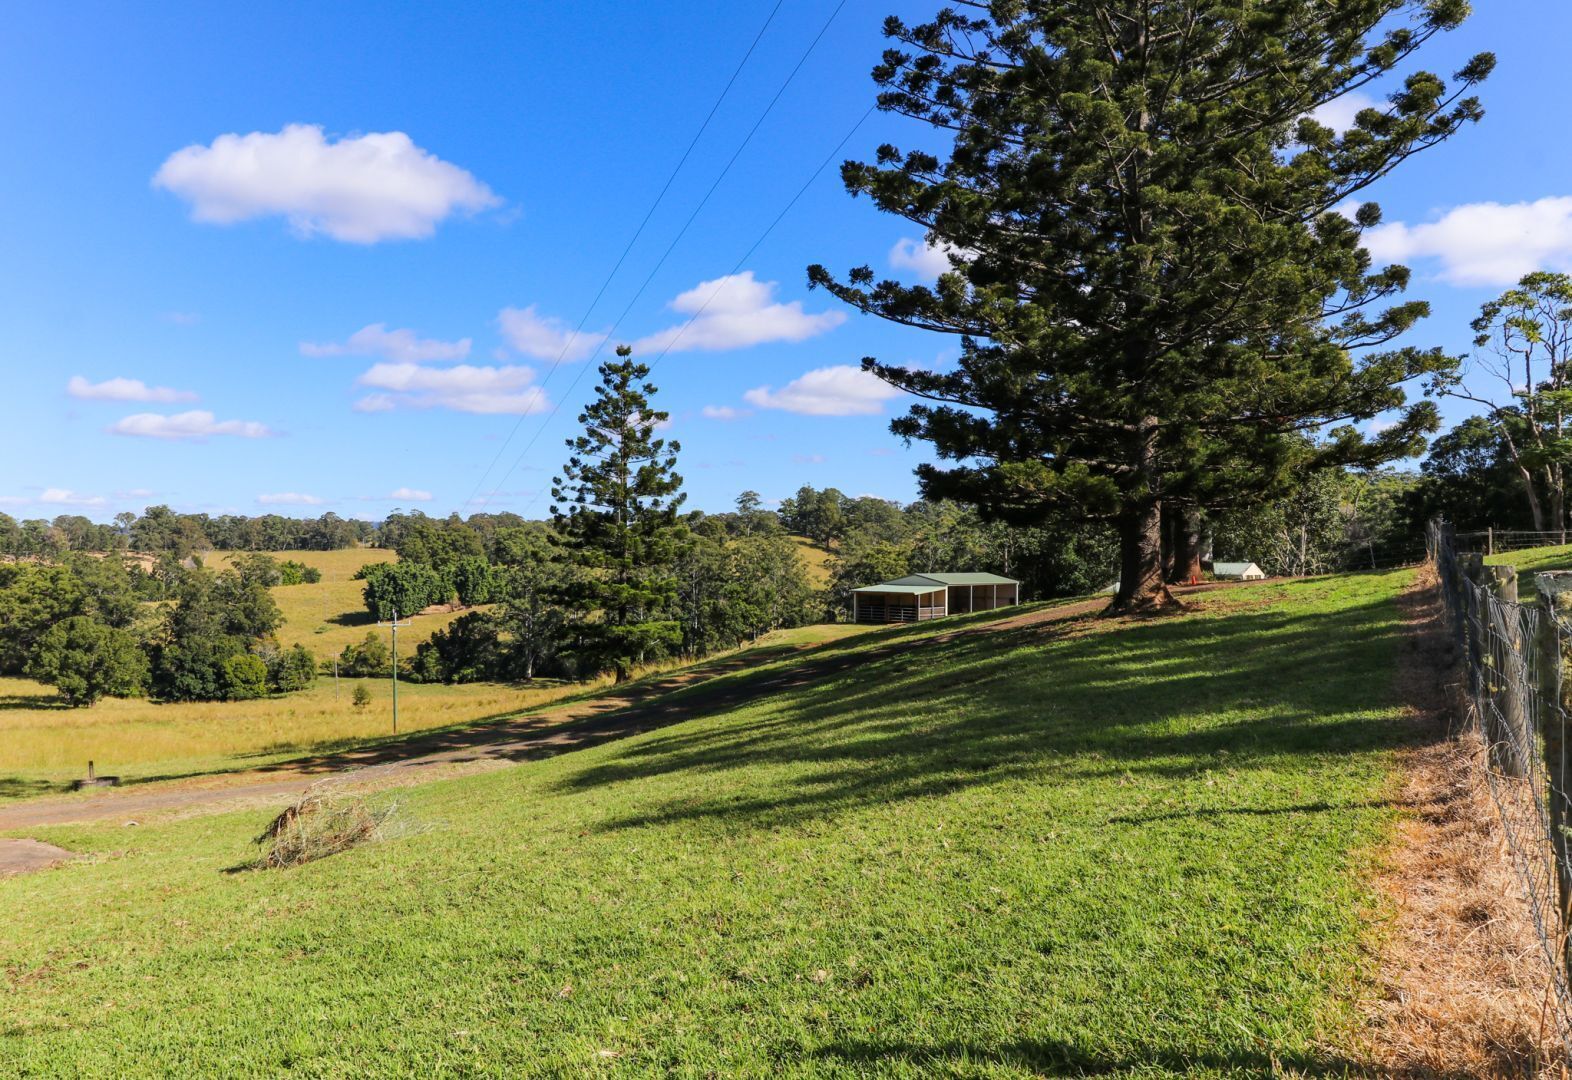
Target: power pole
<point>395,624</point>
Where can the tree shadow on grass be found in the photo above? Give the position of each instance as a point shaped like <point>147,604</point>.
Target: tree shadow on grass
<point>1165,699</point>
<point>32,701</point>
<point>14,787</point>
<point>1063,1058</point>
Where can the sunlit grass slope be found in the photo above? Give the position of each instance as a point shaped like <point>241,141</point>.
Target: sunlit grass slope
<point>1131,849</point>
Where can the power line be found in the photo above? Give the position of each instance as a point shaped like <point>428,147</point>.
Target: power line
<point>676,239</point>
<point>736,267</point>
<point>650,213</point>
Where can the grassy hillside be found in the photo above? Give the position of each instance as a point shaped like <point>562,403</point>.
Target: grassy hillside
<point>1135,849</point>
<point>815,559</point>
<point>331,614</point>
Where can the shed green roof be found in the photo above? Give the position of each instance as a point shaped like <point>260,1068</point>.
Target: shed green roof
<point>893,587</point>
<point>918,583</point>
<point>969,579</point>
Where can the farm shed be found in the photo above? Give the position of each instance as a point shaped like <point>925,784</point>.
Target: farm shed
<point>932,596</point>
<point>1238,571</point>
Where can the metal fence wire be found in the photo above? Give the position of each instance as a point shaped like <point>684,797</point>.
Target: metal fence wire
<point>1517,688</point>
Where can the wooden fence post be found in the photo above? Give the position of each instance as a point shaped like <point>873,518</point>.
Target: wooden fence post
<point>1555,599</point>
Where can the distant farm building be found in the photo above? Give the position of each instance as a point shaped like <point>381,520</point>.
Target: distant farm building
<point>1237,571</point>
<point>932,596</point>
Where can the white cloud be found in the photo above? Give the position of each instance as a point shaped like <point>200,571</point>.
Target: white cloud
<point>1378,425</point>
<point>734,312</point>
<point>182,318</point>
<point>290,498</point>
<point>1485,243</point>
<point>926,259</point>
<point>808,459</point>
<point>1339,113</point>
<point>375,403</point>
<point>359,189</point>
<point>407,494</point>
<point>546,338</point>
<point>464,388</point>
<point>120,389</point>
<point>66,497</point>
<point>724,412</point>
<point>400,345</point>
<point>842,390</point>
<point>197,424</point>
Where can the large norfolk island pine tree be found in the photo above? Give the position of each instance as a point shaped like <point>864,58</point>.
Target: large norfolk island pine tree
<point>616,512</point>
<point>1157,278</point>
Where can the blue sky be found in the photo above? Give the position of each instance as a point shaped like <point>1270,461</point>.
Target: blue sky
<point>297,257</point>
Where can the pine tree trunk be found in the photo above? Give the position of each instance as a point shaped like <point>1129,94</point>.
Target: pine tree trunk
<point>1187,547</point>
<point>1141,587</point>
<point>1168,532</point>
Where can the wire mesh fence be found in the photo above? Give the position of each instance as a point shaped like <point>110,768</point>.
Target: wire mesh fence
<point>1498,541</point>
<point>1517,690</point>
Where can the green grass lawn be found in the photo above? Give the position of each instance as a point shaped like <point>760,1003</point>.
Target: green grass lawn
<point>1133,849</point>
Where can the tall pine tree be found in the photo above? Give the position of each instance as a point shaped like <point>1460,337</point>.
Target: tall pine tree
<point>616,513</point>
<point>1153,287</point>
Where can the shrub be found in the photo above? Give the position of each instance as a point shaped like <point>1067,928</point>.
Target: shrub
<point>361,697</point>
<point>370,657</point>
<point>245,677</point>
<point>293,669</point>
<point>291,572</point>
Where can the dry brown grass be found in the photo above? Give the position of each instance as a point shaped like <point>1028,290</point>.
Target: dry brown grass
<point>1463,984</point>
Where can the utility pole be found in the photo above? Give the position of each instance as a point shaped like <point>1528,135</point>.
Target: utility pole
<point>395,624</point>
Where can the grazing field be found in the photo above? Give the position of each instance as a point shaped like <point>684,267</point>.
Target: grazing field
<point>1531,561</point>
<point>1134,849</point>
<point>331,614</point>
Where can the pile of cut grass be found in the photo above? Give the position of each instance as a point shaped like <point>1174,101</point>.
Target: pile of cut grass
<point>1134,849</point>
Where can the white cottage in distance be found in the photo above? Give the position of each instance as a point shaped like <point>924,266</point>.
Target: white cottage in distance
<point>1238,571</point>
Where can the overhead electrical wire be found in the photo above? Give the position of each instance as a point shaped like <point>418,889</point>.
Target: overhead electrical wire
<point>650,277</point>
<point>746,255</point>
<point>650,213</point>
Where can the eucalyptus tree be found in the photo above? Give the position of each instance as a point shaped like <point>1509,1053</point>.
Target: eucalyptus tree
<point>1153,281</point>
<point>1521,373</point>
